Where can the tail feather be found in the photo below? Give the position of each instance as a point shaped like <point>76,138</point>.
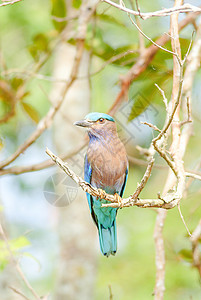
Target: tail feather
<point>108,239</point>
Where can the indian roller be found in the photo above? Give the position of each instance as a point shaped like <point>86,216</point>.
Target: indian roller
<point>106,168</point>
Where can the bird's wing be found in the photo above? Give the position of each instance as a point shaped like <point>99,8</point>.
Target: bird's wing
<point>124,184</point>
<point>87,178</point>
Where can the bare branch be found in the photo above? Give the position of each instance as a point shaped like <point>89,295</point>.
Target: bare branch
<point>65,18</point>
<point>144,180</point>
<point>193,175</point>
<point>164,97</point>
<point>182,217</point>
<point>160,254</point>
<point>10,2</point>
<point>160,13</point>
<point>149,39</point>
<point>18,292</point>
<point>169,201</point>
<point>177,165</point>
<point>195,237</point>
<point>154,127</point>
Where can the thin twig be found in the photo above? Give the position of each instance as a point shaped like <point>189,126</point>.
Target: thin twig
<point>110,292</point>
<point>65,18</point>
<point>144,180</point>
<point>149,39</point>
<point>154,127</point>
<point>160,254</point>
<point>10,2</point>
<point>164,97</point>
<point>18,292</point>
<point>182,217</point>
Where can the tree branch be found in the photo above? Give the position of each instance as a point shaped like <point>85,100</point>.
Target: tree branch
<point>16,170</point>
<point>167,202</point>
<point>177,167</point>
<point>10,2</point>
<point>195,237</point>
<point>160,13</point>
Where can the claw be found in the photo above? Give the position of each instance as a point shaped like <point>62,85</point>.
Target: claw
<point>102,193</point>
<point>119,200</point>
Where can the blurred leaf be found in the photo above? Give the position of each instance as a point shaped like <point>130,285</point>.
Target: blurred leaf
<point>96,44</point>
<point>41,41</point>
<point>147,95</point>
<point>6,91</point>
<point>109,19</point>
<point>76,3</point>
<point>7,101</point>
<point>25,94</point>
<point>40,45</point>
<point>16,82</point>
<point>31,111</point>
<point>59,10</point>
<point>1,147</point>
<point>19,243</point>
<point>15,245</point>
<point>186,254</point>
<point>162,57</point>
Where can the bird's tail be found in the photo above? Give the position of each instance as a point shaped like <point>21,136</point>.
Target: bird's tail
<point>108,239</point>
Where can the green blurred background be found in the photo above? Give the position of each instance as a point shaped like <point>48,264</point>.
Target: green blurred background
<point>27,36</point>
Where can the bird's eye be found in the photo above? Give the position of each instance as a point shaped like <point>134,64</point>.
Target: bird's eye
<point>101,120</point>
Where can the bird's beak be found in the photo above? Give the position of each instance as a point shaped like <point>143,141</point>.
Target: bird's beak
<point>83,123</point>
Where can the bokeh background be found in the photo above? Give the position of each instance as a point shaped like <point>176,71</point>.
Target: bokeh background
<point>35,59</point>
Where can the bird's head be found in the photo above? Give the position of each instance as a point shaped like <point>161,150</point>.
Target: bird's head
<point>98,124</point>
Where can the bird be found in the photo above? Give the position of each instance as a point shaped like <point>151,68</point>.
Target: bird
<point>106,168</point>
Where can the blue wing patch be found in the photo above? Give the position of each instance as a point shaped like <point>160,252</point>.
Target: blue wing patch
<point>87,178</point>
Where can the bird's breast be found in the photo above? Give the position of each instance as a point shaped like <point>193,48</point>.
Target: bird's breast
<point>109,164</point>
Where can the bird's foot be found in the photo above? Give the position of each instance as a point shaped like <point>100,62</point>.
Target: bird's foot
<point>119,200</point>
<point>102,193</point>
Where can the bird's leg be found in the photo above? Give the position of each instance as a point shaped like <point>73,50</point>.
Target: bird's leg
<point>119,200</point>
<point>102,193</point>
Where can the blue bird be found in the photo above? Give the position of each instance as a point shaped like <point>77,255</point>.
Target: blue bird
<point>106,168</point>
